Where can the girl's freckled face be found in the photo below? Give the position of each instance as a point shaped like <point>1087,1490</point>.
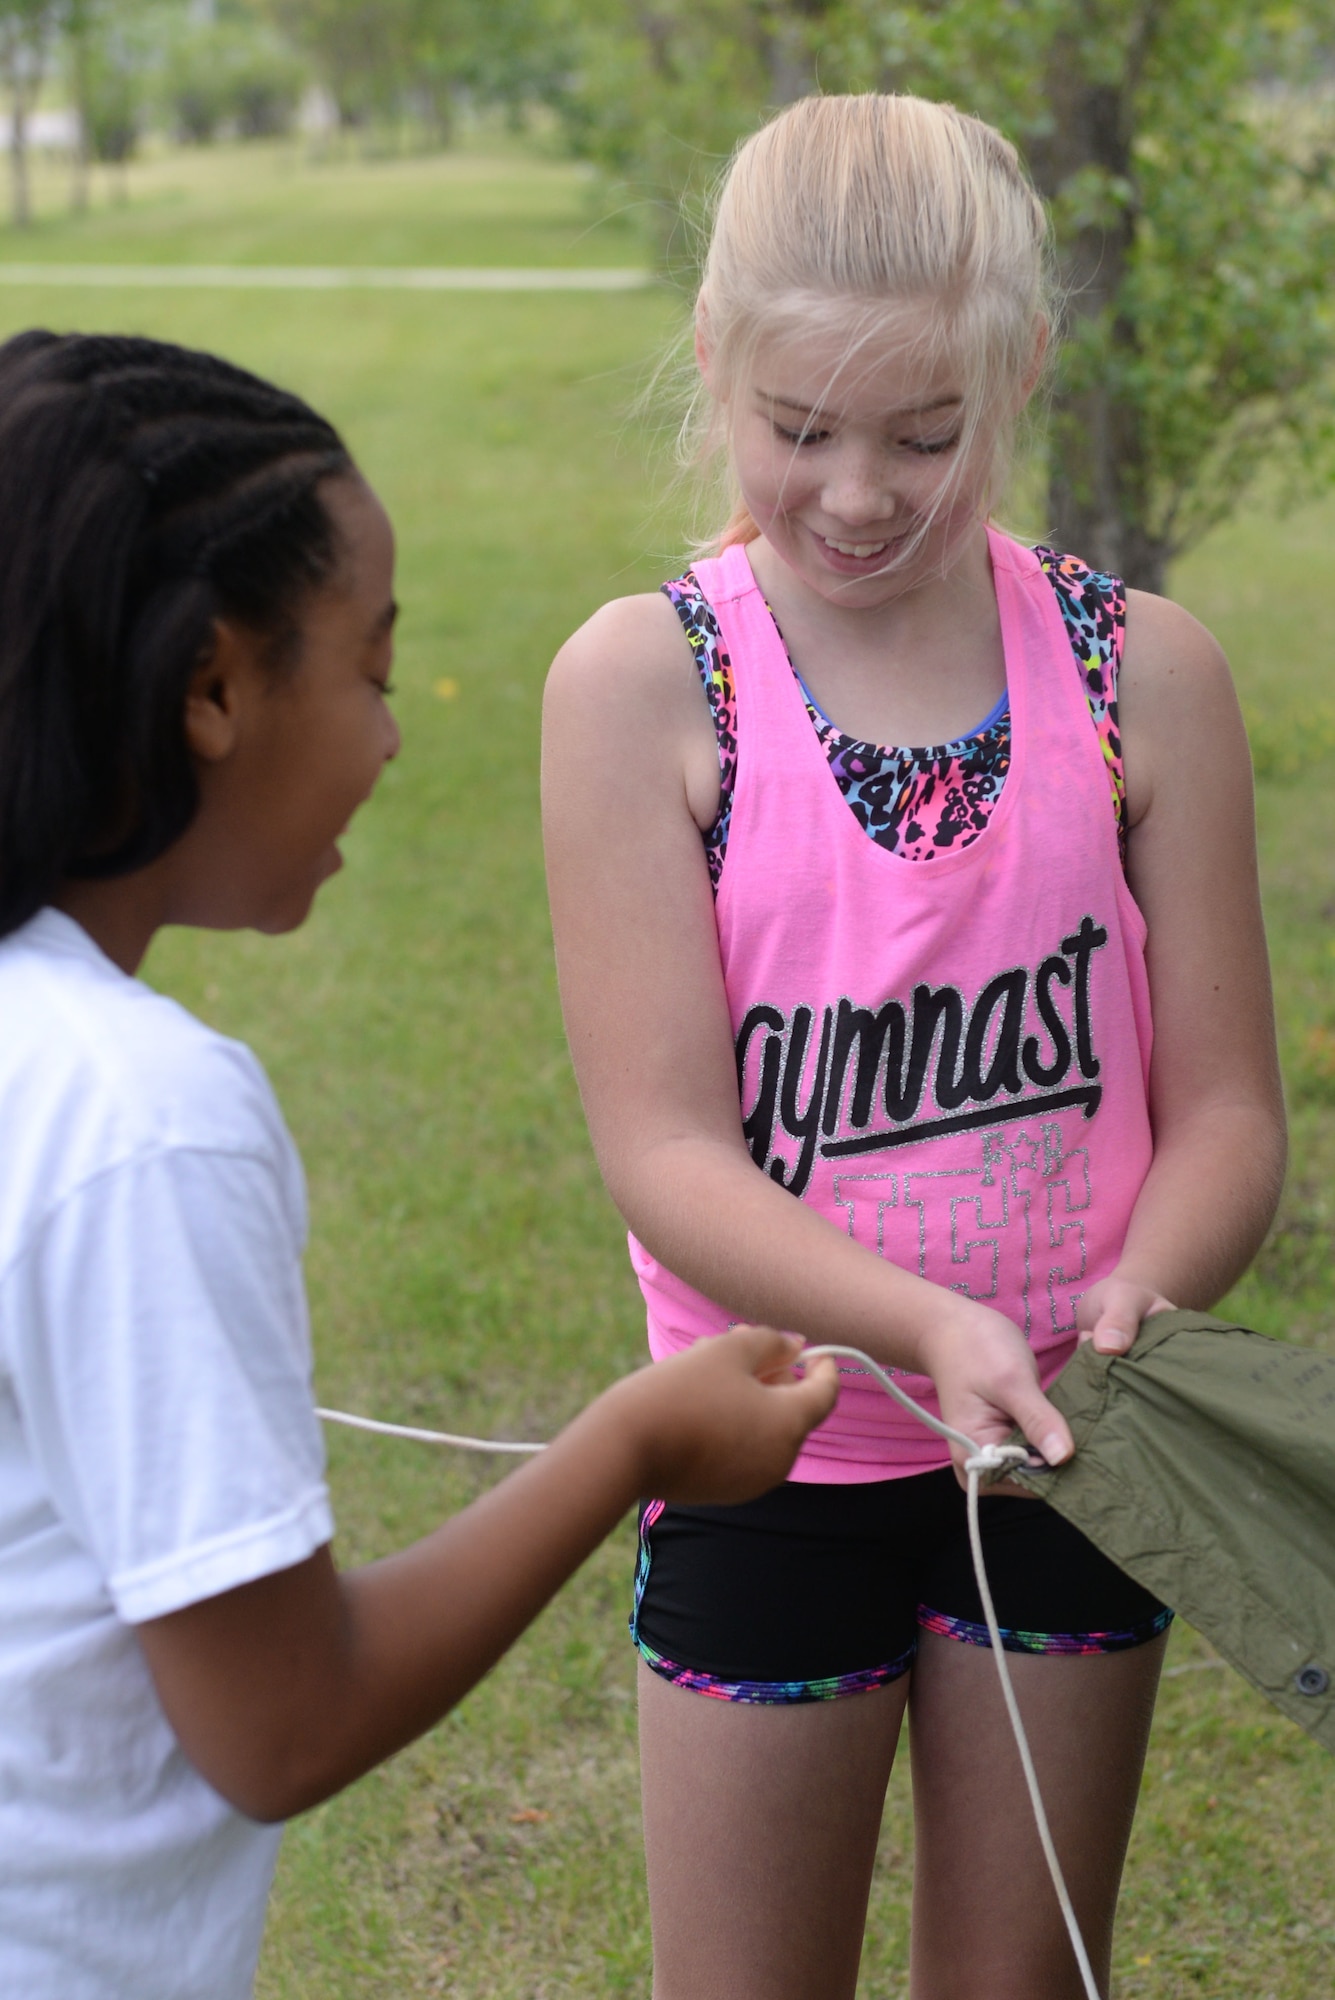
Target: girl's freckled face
<point>842,460</point>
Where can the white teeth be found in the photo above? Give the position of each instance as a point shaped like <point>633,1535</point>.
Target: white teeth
<point>855,548</point>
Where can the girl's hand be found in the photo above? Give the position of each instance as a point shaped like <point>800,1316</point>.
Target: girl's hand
<point>286,1689</point>
<point>987,1382</point>
<point>1110,1312</point>
<point>724,1421</point>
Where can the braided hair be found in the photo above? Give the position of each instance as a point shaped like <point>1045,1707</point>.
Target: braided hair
<point>146,490</point>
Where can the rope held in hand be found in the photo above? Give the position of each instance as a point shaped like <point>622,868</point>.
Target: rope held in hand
<point>992,1458</point>
<point>981,1459</point>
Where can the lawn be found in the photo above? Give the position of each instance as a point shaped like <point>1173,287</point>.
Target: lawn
<point>281,203</point>
<point>466,1269</point>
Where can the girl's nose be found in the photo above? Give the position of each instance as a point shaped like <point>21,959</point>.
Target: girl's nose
<point>857,489</point>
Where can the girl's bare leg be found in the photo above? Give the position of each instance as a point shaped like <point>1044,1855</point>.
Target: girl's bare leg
<point>760,1833</point>
<point>985,1917</point>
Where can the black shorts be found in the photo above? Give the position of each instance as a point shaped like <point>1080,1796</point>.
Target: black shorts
<point>812,1591</point>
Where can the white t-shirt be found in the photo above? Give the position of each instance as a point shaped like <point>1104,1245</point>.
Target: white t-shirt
<point>158,1445</point>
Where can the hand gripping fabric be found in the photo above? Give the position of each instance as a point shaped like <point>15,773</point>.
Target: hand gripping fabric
<point>1205,1468</point>
<point>983,1463</point>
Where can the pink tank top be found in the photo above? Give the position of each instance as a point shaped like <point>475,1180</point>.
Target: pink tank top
<point>947,1059</point>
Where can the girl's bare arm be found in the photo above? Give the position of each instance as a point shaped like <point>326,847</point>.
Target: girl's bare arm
<point>285,1690</point>
<point>1216,1102</point>
<point>628,766</point>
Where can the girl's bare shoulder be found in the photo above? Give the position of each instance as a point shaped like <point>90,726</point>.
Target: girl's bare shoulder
<point>1177,707</point>
<point>632,658</point>
<point>1169,655</point>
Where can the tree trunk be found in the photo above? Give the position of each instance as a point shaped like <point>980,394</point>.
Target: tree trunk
<point>18,156</point>
<point>81,164</point>
<point>786,41</point>
<point>1097,486</point>
<point>80,169</point>
<point>437,110</point>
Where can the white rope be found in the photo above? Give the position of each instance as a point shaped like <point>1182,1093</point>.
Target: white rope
<point>422,1437</point>
<point>982,1458</point>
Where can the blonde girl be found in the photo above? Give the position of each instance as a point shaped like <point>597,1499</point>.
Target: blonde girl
<point>957,1054</point>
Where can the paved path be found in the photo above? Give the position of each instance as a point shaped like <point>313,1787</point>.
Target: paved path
<point>322,278</point>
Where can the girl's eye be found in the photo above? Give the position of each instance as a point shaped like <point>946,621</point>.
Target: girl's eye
<point>933,447</point>
<point>799,437</point>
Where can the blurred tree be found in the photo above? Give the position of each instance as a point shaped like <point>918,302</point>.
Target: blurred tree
<point>658,92</point>
<point>1190,167</point>
<point>360,49</point>
<point>379,58</point>
<point>226,66</point>
<point>1191,173</point>
<point>110,49</point>
<point>78,40</point>
<point>26,31</point>
<point>493,51</point>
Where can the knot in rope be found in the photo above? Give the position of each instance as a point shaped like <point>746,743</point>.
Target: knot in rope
<point>996,1457</point>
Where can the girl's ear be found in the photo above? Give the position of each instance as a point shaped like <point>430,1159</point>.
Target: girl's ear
<point>213,699</point>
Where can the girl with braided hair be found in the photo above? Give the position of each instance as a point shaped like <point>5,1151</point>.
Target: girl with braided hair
<point>195,633</point>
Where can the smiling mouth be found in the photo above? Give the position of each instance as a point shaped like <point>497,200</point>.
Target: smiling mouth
<point>866,551</point>
<point>860,549</point>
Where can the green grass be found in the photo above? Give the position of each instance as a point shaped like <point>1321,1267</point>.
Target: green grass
<point>465,1267</point>
<point>279,202</point>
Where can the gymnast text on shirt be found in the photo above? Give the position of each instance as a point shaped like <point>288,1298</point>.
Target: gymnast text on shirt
<point>866,1080</point>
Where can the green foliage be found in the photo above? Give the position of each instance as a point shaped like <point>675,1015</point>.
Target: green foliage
<point>1190,166</point>
<point>27,28</point>
<point>1190,172</point>
<point>658,96</point>
<point>1229,295</point>
<point>494,51</point>
<point>110,57</point>
<point>129,63</point>
<point>380,58</point>
<point>111,108</point>
<point>232,72</point>
<point>355,45</point>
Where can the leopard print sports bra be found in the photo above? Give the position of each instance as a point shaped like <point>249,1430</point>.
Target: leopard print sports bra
<point>919,803</point>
